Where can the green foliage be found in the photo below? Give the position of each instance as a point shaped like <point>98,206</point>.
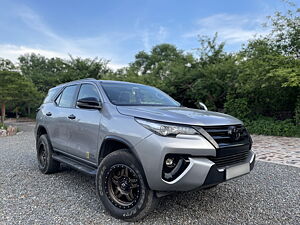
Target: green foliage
<point>165,67</point>
<point>46,73</point>
<point>270,126</point>
<point>6,65</point>
<point>16,90</point>
<point>210,51</point>
<point>3,126</point>
<point>286,30</point>
<point>263,79</point>
<point>8,86</point>
<point>237,107</point>
<point>216,71</point>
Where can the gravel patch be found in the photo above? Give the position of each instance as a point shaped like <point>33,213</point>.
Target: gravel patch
<point>281,150</point>
<point>268,195</point>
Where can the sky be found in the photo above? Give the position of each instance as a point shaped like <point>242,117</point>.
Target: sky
<point>118,29</point>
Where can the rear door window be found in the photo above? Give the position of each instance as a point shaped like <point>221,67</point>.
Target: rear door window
<point>51,94</point>
<point>66,98</point>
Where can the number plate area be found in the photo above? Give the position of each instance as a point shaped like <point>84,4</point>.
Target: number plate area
<point>238,170</point>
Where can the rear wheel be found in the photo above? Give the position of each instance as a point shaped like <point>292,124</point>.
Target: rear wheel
<point>122,187</point>
<point>44,155</point>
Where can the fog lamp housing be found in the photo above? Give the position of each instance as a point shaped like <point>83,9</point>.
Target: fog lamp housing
<point>174,165</point>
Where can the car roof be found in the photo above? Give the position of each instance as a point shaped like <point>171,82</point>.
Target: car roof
<point>118,82</point>
<point>94,81</point>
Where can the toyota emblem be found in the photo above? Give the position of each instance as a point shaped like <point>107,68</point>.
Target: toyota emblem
<point>235,133</point>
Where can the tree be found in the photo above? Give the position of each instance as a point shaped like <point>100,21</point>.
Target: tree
<point>43,72</point>
<point>165,67</point>
<point>216,73</point>
<point>78,68</point>
<point>6,65</point>
<point>260,86</point>
<point>157,65</point>
<point>210,51</point>
<point>46,73</point>
<point>285,30</point>
<point>16,90</point>
<point>9,89</point>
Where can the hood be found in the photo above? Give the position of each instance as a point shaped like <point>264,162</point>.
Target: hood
<point>180,115</point>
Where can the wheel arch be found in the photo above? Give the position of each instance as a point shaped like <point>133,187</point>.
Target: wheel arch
<point>114,143</point>
<point>40,131</point>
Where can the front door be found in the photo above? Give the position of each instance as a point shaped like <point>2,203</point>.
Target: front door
<point>84,136</point>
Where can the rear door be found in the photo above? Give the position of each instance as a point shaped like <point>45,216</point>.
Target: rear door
<point>84,135</point>
<point>62,119</point>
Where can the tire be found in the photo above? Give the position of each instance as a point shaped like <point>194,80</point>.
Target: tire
<point>122,187</point>
<point>46,163</point>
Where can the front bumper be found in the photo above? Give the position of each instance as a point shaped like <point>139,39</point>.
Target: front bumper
<point>201,171</point>
<point>216,176</point>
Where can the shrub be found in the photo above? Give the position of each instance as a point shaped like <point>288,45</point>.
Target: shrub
<point>270,126</point>
<point>237,107</point>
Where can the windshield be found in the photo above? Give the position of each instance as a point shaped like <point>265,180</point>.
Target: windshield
<point>136,94</point>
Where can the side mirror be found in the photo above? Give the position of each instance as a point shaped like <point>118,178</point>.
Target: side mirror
<point>89,103</point>
<point>202,105</point>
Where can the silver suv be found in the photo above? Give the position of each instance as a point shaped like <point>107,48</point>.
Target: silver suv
<point>138,142</point>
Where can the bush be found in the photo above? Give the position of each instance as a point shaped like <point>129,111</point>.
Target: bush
<point>270,126</point>
<point>237,107</point>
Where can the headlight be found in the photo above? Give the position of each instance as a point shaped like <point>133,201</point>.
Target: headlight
<point>166,129</point>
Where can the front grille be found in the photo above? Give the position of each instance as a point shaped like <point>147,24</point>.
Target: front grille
<point>234,144</point>
<point>221,135</point>
<point>223,161</point>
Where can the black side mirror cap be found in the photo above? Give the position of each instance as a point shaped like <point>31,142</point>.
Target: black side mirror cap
<point>89,103</point>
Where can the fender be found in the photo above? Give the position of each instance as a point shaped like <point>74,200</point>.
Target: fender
<point>37,128</point>
<point>121,140</point>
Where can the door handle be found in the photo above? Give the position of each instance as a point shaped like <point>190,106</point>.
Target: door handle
<point>72,117</point>
<point>48,114</point>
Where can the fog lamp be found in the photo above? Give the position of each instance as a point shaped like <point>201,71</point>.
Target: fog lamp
<point>169,162</point>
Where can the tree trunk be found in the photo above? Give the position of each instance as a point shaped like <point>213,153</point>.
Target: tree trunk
<point>17,111</point>
<point>28,111</point>
<point>2,112</point>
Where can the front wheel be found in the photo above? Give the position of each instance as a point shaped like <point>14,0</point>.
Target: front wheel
<point>122,187</point>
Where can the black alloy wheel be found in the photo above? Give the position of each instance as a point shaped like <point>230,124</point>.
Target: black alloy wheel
<point>42,156</point>
<point>122,186</point>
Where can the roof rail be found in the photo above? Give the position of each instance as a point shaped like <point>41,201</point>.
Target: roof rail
<point>84,79</point>
<point>76,81</point>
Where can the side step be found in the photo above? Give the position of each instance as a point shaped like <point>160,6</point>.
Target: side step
<point>89,170</point>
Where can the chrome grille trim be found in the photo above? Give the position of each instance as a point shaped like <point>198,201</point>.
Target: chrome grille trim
<point>207,136</point>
